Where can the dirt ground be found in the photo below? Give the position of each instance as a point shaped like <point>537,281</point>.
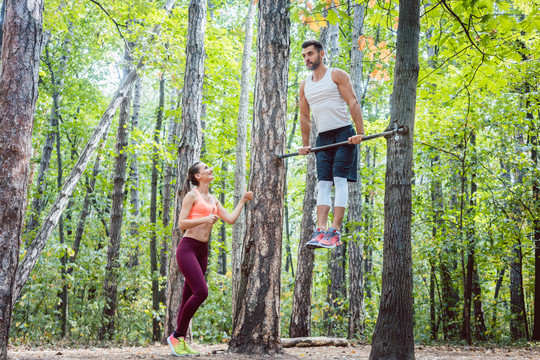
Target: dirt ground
<point>219,352</point>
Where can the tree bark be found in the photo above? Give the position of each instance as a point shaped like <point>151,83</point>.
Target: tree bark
<point>239,228</point>
<point>22,39</point>
<point>110,284</point>
<point>101,130</point>
<point>57,82</point>
<point>134,176</point>
<point>85,209</point>
<point>256,328</point>
<point>300,325</point>
<point>154,274</point>
<point>190,146</point>
<point>393,335</point>
<point>536,228</point>
<point>518,319</point>
<point>354,216</point>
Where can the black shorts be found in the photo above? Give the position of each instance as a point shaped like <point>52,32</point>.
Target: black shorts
<point>340,161</point>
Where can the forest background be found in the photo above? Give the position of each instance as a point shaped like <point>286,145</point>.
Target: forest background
<point>475,194</point>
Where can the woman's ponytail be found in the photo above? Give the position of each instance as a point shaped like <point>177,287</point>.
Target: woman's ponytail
<point>191,179</point>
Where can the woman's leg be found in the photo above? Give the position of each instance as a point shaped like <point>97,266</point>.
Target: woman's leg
<point>192,257</point>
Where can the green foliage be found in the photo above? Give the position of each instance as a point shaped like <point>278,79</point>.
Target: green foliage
<point>478,74</point>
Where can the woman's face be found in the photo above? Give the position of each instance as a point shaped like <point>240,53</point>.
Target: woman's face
<point>205,173</point>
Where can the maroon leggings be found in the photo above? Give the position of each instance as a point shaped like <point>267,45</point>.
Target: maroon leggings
<point>192,258</point>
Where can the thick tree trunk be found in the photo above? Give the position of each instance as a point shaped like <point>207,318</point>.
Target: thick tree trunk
<point>480,329</point>
<point>190,146</point>
<point>393,335</point>
<point>354,217</point>
<point>21,45</point>
<point>134,176</point>
<point>300,325</point>
<point>110,284</point>
<point>239,228</point>
<point>257,323</point>
<point>101,130</point>
<point>154,274</point>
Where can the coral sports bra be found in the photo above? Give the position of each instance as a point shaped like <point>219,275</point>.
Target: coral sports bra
<point>202,208</point>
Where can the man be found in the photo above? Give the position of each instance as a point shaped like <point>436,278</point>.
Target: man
<point>326,93</point>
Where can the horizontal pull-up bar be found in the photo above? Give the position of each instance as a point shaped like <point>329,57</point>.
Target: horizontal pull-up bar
<point>365,138</point>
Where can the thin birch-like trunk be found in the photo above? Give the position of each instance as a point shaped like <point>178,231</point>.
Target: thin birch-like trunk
<point>239,228</point>
<point>154,274</point>
<point>354,215</point>
<point>134,175</point>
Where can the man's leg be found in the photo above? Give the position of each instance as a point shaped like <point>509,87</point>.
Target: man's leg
<point>333,235</point>
<point>324,200</point>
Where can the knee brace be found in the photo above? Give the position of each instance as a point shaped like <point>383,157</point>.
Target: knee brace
<point>324,195</point>
<point>342,192</point>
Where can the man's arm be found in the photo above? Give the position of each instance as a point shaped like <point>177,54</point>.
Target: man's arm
<point>305,121</point>
<point>343,81</point>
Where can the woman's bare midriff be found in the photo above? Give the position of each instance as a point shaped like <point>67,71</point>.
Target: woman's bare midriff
<point>200,232</point>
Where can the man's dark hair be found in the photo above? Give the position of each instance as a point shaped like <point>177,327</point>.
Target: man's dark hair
<point>317,45</point>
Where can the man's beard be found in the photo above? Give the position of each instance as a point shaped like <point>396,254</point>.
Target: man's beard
<point>315,64</point>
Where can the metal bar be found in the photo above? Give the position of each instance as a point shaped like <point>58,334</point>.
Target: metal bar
<point>365,138</point>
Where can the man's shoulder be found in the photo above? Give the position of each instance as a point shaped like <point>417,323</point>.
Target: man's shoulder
<point>339,75</point>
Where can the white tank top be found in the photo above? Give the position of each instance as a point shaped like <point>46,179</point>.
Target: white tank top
<point>328,107</point>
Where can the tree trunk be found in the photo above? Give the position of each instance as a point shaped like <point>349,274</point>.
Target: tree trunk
<point>518,319</point>
<point>85,209</point>
<point>22,39</point>
<point>354,215</point>
<point>134,176</point>
<point>101,130</point>
<point>190,146</point>
<point>110,283</point>
<point>172,136</point>
<point>256,327</point>
<point>154,274</point>
<point>300,325</point>
<point>480,329</point>
<point>57,82</point>
<point>222,250</point>
<point>239,228</point>
<point>2,16</point>
<point>533,140</point>
<point>393,335</point>
<point>63,295</point>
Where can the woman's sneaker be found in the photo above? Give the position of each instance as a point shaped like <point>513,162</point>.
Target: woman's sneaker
<point>318,235</point>
<point>190,351</point>
<point>331,239</point>
<point>178,346</point>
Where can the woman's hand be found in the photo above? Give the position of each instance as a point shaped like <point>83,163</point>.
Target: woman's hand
<point>211,219</point>
<point>247,196</point>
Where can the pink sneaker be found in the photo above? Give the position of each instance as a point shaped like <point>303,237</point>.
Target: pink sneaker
<point>318,235</point>
<point>331,239</point>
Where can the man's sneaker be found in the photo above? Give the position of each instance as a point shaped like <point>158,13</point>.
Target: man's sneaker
<point>318,235</point>
<point>331,239</point>
<point>178,346</point>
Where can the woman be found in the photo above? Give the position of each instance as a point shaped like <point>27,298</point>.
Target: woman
<point>199,213</point>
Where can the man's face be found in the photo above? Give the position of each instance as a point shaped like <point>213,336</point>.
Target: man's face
<point>312,58</point>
